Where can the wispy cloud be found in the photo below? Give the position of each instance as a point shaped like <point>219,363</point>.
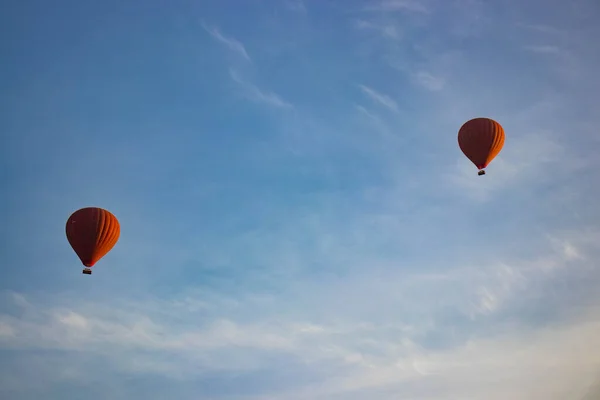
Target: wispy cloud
<point>558,355</point>
<point>256,94</point>
<point>347,248</point>
<point>391,357</point>
<point>367,113</point>
<point>377,122</point>
<point>386,29</point>
<point>379,98</point>
<point>231,43</point>
<point>429,81</point>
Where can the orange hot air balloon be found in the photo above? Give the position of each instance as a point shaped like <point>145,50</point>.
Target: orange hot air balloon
<point>92,233</point>
<point>481,139</point>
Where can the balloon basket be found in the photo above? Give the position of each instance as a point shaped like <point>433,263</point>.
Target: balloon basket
<point>481,172</point>
<point>87,271</point>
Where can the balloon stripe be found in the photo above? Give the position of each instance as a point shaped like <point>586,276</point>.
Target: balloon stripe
<point>106,228</point>
<point>100,218</point>
<point>103,228</point>
<point>109,238</point>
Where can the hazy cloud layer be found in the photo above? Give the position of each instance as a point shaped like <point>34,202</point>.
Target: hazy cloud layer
<point>298,221</point>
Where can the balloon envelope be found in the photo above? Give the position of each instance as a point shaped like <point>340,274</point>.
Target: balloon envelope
<point>92,233</point>
<point>481,139</point>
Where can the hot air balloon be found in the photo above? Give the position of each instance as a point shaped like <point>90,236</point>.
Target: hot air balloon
<point>92,232</point>
<point>481,139</point>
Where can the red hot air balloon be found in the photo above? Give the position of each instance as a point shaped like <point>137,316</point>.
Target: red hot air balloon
<point>92,233</point>
<point>481,139</point>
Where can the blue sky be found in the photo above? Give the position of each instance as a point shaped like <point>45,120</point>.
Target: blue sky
<point>297,219</point>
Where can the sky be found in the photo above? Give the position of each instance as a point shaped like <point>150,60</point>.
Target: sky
<point>297,220</point>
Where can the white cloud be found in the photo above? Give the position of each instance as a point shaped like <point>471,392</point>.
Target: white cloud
<point>350,326</point>
<point>566,248</point>
<point>256,94</point>
<point>73,320</point>
<point>380,98</point>
<point>363,330</point>
<point>383,285</point>
<point>429,81</point>
<point>552,363</point>
<point>231,43</point>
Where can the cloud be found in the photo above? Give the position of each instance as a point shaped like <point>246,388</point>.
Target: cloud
<point>380,98</point>
<point>429,328</point>
<point>256,94</point>
<point>429,81</point>
<point>389,31</point>
<point>558,356</point>
<point>383,358</point>
<point>371,117</point>
<point>367,113</point>
<point>341,250</point>
<point>231,43</point>
<point>347,329</point>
